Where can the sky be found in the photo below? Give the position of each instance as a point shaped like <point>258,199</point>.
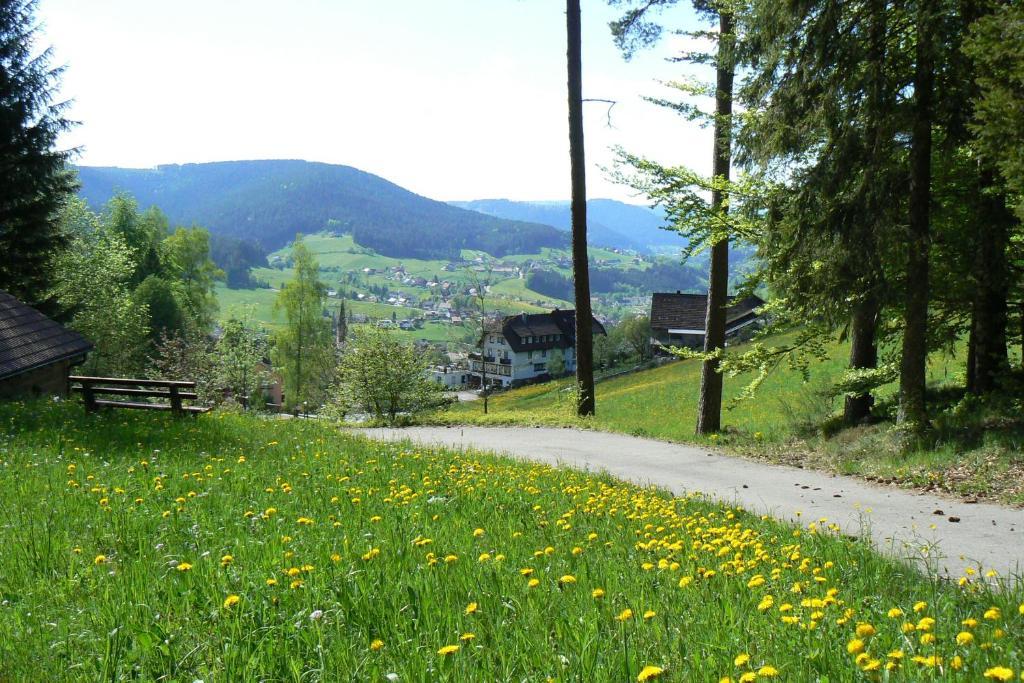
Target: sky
<point>452,99</point>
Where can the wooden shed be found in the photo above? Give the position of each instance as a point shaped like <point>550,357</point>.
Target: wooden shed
<point>36,353</point>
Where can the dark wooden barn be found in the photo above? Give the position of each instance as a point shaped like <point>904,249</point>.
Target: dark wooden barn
<point>36,353</point>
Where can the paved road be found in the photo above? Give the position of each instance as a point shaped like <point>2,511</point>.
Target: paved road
<point>898,521</point>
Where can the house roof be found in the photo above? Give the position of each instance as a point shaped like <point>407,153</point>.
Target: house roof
<point>30,340</point>
<point>678,311</point>
<point>554,330</point>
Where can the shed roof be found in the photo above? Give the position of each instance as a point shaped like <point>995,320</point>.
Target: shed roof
<point>680,311</point>
<point>30,340</point>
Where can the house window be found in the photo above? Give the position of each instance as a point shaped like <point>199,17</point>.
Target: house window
<point>529,354</point>
<point>539,367</point>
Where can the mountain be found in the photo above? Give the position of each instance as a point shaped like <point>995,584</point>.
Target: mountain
<point>269,201</point>
<point>609,223</point>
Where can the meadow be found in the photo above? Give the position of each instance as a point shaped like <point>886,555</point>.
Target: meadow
<point>233,547</point>
<point>974,450</point>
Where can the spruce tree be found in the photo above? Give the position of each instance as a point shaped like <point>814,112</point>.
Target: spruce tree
<point>34,178</point>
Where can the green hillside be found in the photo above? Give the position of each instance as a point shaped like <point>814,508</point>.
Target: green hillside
<point>974,450</point>
<point>270,201</point>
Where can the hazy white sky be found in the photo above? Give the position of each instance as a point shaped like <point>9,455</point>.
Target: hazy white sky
<point>452,99</point>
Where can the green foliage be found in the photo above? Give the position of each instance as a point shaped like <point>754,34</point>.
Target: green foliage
<point>187,355</point>
<point>303,348</point>
<point>34,179</point>
<point>271,200</point>
<point>996,45</point>
<point>240,355</point>
<point>381,376</point>
<point>94,290</point>
<point>165,315</point>
<point>185,255</point>
<point>556,363</point>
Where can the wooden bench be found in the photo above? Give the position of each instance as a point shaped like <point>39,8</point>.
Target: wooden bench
<point>174,391</point>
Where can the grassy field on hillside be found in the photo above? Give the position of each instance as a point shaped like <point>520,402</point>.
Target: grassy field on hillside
<point>239,548</point>
<point>975,451</point>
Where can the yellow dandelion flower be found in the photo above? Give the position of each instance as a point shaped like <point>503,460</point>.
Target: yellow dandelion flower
<point>756,581</point>
<point>484,557</point>
<point>231,601</point>
<point>271,581</point>
<point>766,603</point>
<point>466,637</point>
<point>625,615</point>
<point>749,676</point>
<point>895,613</point>
<point>376,644</point>
<point>533,583</point>
<point>964,638</point>
<point>993,613</point>
<point>597,593</point>
<point>649,614</point>
<point>183,567</point>
<point>767,671</point>
<point>566,580</point>
<point>855,646</point>
<point>472,607</point>
<point>100,559</point>
<point>865,630</point>
<point>649,672</point>
<point>477,533</point>
<point>920,606</point>
<point>448,650</point>
<point>226,560</point>
<point>741,659</point>
<point>999,673</point>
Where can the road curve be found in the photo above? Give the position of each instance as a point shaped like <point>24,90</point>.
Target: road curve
<point>949,535</point>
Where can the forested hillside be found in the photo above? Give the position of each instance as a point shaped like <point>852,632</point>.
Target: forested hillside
<point>610,223</point>
<point>270,201</point>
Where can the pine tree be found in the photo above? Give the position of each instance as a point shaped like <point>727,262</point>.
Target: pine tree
<point>580,263</point>
<point>680,190</point>
<point>34,178</point>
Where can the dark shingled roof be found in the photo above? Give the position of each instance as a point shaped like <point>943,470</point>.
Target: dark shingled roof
<point>688,311</point>
<point>554,330</point>
<point>30,340</point>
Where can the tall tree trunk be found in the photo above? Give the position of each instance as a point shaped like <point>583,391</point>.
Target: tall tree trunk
<point>580,267</point>
<point>991,275</point>
<point>863,355</point>
<point>709,407</point>
<point>912,409</point>
<point>972,352</point>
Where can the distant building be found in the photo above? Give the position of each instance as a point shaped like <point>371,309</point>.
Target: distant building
<point>450,376</point>
<point>518,350</point>
<point>678,319</point>
<point>36,353</point>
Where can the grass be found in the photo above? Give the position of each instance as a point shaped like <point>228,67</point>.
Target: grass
<point>975,451</point>
<point>238,548</point>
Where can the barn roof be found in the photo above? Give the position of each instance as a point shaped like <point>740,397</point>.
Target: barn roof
<point>30,340</point>
<point>677,311</point>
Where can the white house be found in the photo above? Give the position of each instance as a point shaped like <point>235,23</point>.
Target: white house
<point>519,350</point>
<point>450,376</point>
